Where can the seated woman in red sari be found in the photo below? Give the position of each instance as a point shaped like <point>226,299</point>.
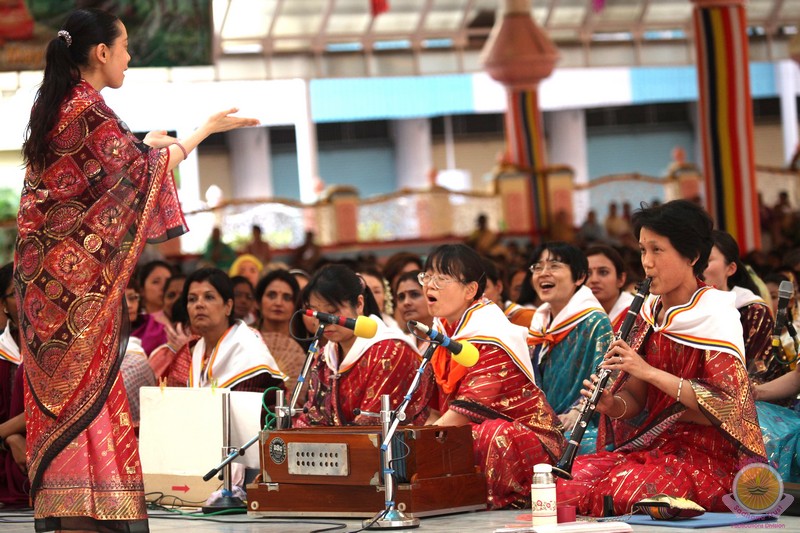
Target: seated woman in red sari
<point>726,272</point>
<point>680,416</point>
<point>513,426</point>
<point>351,372</point>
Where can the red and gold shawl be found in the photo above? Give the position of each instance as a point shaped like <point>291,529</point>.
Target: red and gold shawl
<point>712,366</point>
<point>84,219</point>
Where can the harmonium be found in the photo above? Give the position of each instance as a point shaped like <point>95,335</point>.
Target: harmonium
<point>336,471</point>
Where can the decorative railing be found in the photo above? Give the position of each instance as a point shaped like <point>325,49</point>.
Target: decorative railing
<point>342,218</point>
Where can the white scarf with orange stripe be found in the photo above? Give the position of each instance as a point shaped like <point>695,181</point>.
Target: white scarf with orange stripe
<point>708,321</point>
<point>239,354</point>
<point>9,350</point>
<point>549,331</point>
<point>330,352</point>
<point>485,323</point>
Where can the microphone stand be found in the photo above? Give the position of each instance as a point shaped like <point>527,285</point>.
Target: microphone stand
<point>228,502</point>
<point>391,517</point>
<point>290,410</point>
<point>283,415</point>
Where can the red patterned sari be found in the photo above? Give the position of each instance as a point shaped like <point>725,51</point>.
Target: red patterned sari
<point>657,452</point>
<point>83,222</point>
<point>513,425</point>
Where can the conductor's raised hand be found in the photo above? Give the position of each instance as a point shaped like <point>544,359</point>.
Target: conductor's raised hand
<point>224,121</point>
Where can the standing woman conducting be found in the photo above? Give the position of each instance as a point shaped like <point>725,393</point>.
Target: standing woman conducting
<point>680,416</point>
<point>93,196</point>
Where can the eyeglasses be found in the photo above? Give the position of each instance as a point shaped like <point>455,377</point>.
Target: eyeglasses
<point>435,280</point>
<point>552,266</point>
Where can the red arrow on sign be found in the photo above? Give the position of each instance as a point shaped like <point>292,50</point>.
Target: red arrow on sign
<point>184,488</point>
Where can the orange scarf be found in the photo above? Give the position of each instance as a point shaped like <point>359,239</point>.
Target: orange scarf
<point>448,373</point>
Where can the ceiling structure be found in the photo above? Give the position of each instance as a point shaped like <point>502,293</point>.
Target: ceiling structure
<point>341,38</point>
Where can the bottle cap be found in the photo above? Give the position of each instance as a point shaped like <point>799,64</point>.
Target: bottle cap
<point>542,468</point>
<point>566,513</point>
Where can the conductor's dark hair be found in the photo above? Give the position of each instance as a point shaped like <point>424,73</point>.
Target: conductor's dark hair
<point>86,28</point>
<point>687,226</point>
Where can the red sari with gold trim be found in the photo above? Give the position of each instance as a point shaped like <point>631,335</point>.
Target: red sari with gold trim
<point>513,426</point>
<point>658,452</point>
<point>384,364</point>
<point>83,222</point>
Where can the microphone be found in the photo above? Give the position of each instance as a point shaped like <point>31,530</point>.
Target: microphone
<point>362,326</point>
<point>464,353</point>
<point>785,292</point>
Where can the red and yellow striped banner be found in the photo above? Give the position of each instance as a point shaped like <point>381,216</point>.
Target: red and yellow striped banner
<point>526,144</point>
<point>726,119</point>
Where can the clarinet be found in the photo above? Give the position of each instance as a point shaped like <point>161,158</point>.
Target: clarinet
<point>563,468</point>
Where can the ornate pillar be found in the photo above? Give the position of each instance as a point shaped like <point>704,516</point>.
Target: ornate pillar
<point>519,55</point>
<point>725,114</point>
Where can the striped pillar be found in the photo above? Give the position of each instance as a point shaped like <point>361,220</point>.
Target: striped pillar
<point>526,146</point>
<point>726,118</point>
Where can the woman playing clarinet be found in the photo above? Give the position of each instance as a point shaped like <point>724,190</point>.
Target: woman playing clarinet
<point>680,417</point>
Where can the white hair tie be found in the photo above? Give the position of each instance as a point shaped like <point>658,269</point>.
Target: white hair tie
<point>64,34</point>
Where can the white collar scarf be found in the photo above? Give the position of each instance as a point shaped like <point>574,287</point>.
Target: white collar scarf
<point>330,352</point>
<point>9,351</point>
<point>620,306</point>
<point>239,355</point>
<point>708,321</point>
<point>485,323</point>
<point>745,297</point>
<point>578,309</point>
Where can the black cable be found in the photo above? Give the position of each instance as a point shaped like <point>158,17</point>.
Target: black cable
<point>372,522</point>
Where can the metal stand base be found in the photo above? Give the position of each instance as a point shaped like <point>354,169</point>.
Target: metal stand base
<point>230,504</point>
<point>392,519</point>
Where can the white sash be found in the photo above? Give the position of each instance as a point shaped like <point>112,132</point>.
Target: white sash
<point>745,297</point>
<point>239,354</point>
<point>620,306</point>
<point>708,321</point>
<point>485,323</point>
<point>330,352</point>
<point>578,309</point>
<point>8,347</point>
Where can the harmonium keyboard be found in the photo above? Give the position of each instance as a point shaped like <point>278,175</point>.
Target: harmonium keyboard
<point>336,471</point>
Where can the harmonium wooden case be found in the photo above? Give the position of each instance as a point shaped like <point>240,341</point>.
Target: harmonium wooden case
<point>336,471</point>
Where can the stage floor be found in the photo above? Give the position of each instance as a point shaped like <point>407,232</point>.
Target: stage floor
<point>488,521</point>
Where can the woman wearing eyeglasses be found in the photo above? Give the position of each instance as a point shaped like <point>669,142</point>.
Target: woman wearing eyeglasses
<point>351,373</point>
<point>513,426</point>
<point>570,331</point>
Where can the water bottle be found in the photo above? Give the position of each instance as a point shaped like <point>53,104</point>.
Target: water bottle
<point>543,496</point>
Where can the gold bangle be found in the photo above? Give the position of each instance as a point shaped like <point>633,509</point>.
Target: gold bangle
<point>680,386</point>
<point>185,153</point>
<point>624,408</point>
